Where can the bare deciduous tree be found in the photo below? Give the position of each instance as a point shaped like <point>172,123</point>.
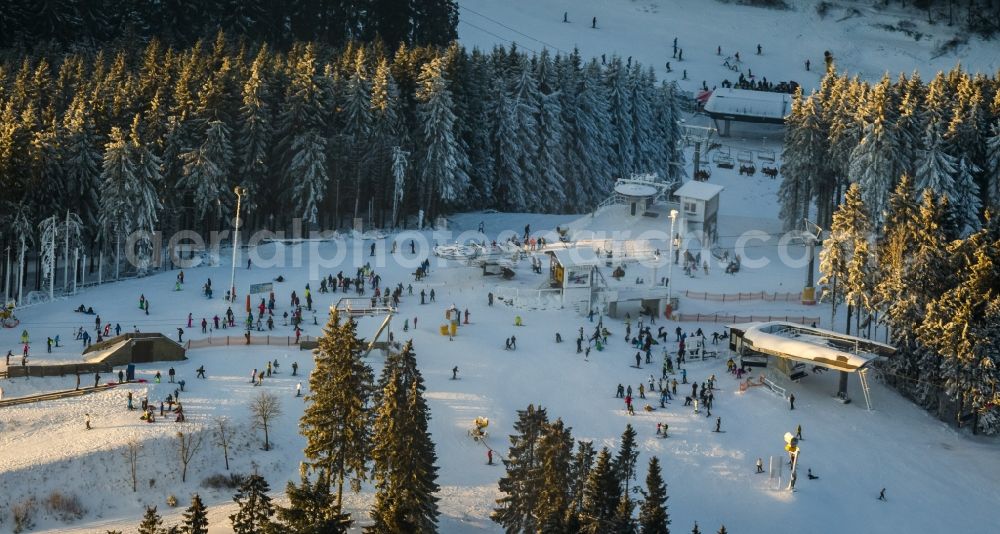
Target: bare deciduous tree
<point>223,435</point>
<point>131,452</point>
<point>188,445</point>
<point>264,407</point>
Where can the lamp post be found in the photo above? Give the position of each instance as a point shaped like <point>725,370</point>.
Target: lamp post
<point>236,243</point>
<point>670,259</point>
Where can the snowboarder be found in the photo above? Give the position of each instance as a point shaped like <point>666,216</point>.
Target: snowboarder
<point>760,465</point>
<point>809,473</point>
<point>791,401</point>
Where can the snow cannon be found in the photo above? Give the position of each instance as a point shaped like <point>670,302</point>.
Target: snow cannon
<point>478,432</point>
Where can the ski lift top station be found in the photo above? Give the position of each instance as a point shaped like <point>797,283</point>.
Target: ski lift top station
<point>743,105</point>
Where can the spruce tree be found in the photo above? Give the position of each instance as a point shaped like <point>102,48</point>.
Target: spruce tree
<point>195,518</point>
<point>442,179</point>
<point>151,522</point>
<point>874,162</point>
<point>206,167</point>
<point>555,453</point>
<point>624,464</point>
<point>653,518</point>
<point>583,461</point>
<point>310,508</point>
<point>337,418</point>
<point>309,164</point>
<point>255,508</point>
<point>404,472</point>
<point>255,129</point>
<point>601,496</point>
<point>521,485</point>
<point>620,127</point>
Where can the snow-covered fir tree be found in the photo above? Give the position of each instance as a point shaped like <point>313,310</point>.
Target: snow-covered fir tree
<point>309,164</point>
<point>601,496</point>
<point>207,168</point>
<point>550,189</point>
<point>875,162</point>
<point>802,160</point>
<point>555,453</point>
<point>620,126</point>
<point>442,180</point>
<point>255,129</point>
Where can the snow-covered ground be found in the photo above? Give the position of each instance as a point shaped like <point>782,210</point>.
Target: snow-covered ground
<point>645,30</point>
<point>926,466</point>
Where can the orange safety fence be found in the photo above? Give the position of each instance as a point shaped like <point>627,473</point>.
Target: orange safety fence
<point>724,318</point>
<point>794,296</point>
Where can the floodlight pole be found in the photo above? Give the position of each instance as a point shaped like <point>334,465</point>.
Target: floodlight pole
<point>236,243</point>
<point>670,259</point>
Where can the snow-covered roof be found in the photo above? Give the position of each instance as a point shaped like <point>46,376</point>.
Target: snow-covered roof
<point>635,190</point>
<point>817,346</point>
<point>744,104</point>
<point>569,257</point>
<point>699,190</point>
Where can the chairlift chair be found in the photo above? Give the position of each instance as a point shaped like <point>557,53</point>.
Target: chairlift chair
<point>723,159</point>
<point>766,155</point>
<point>745,156</point>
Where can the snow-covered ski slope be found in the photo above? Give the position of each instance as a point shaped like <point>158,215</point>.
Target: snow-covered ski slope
<point>926,466</point>
<point>645,30</point>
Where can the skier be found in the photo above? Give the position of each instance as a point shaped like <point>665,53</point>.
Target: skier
<point>489,297</point>
<point>253,375</point>
<point>298,389</point>
<point>565,19</point>
<point>798,432</point>
<point>432,295</point>
<point>791,401</point>
<point>121,376</point>
<point>372,253</point>
<point>295,368</point>
<point>760,465</point>
<point>642,391</point>
<point>489,456</point>
<point>180,335</point>
<point>638,359</point>
<point>454,373</point>
<point>809,473</point>
<point>881,495</point>
<point>171,373</point>
<point>620,392</point>
<point>593,25</point>
<point>759,49</point>
<point>201,372</point>
<point>87,421</point>
<point>513,342</point>
<point>807,64</point>
<point>718,424</point>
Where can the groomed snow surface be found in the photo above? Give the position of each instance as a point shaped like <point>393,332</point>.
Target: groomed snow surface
<point>936,478</point>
